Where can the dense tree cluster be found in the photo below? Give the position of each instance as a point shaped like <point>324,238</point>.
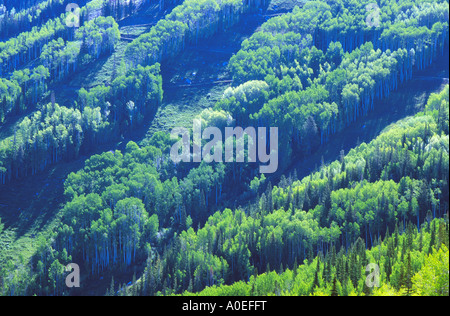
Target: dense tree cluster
<point>315,89</point>
<point>244,100</point>
<point>128,98</point>
<point>58,59</point>
<point>99,36</point>
<point>151,179</point>
<point>403,172</point>
<point>122,213</point>
<point>48,136</point>
<point>27,46</point>
<point>25,87</point>
<point>55,132</point>
<point>311,108</point>
<point>186,24</point>
<point>21,16</point>
<point>352,23</point>
<point>410,263</point>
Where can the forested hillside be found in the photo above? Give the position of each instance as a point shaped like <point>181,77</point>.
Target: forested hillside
<point>139,224</point>
<point>412,263</point>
